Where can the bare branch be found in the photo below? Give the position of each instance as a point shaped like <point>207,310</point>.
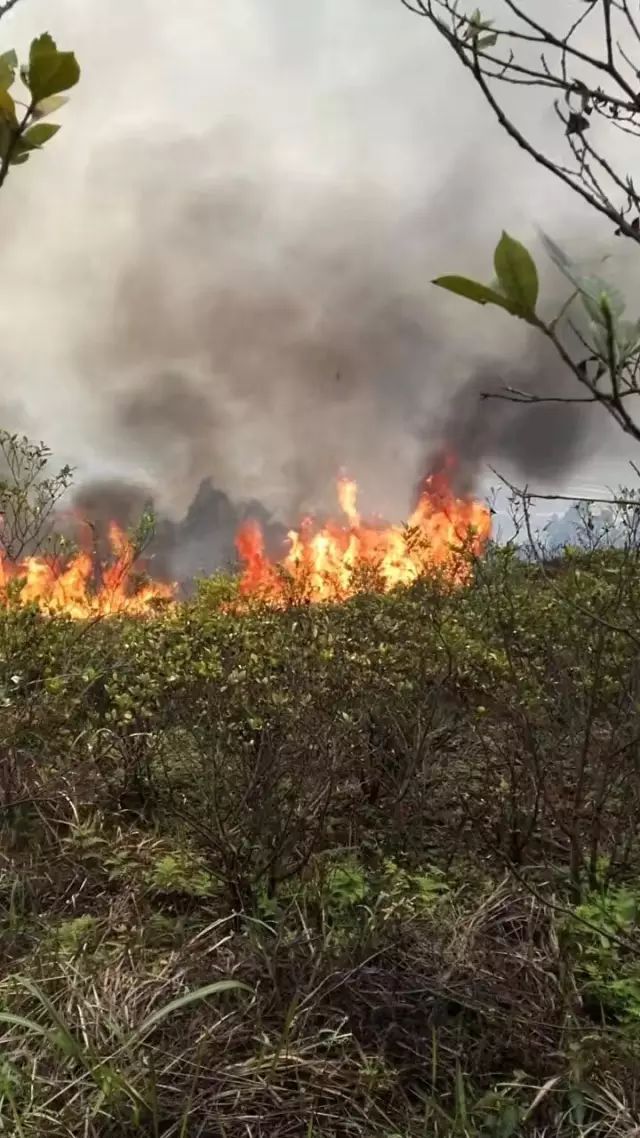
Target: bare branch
<point>7,7</point>
<point>618,101</point>
<point>611,367</point>
<point>514,395</point>
<point>535,496</point>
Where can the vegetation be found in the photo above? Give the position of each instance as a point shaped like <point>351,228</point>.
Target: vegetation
<point>369,868</point>
<point>47,73</point>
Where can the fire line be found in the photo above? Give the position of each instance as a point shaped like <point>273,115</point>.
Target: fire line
<point>323,563</point>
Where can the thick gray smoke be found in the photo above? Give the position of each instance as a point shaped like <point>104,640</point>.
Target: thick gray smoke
<point>534,440</point>
<point>200,543</point>
<point>220,269</point>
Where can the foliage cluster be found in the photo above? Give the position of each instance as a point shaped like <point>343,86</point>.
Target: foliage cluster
<point>44,77</point>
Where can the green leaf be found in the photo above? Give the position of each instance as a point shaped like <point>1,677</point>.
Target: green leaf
<point>21,148</point>
<point>577,1105</point>
<point>8,67</point>
<point>460,1097</point>
<point>485,42</point>
<point>474,290</point>
<point>42,44</point>
<point>21,1021</point>
<point>509,1120</point>
<point>50,71</point>
<point>563,262</point>
<point>477,25</point>
<point>40,133</point>
<point>61,1030</point>
<point>32,139</point>
<point>195,996</point>
<point>6,138</point>
<point>604,303</point>
<point>628,334</point>
<point>517,273</point>
<point>7,108</point>
<point>48,106</point>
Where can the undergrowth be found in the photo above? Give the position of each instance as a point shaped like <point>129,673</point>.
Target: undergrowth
<point>367,869</point>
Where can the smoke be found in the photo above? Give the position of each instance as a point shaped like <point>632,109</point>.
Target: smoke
<point>197,545</point>
<point>227,254</point>
<point>527,439</point>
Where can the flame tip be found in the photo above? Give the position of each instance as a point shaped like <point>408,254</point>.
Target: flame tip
<point>323,562</point>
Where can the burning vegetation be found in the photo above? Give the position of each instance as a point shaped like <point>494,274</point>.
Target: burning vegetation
<point>324,562</point>
<point>80,587</point>
<point>330,563</point>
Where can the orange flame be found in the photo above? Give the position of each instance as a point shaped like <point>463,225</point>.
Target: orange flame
<point>324,564</point>
<point>59,587</point>
<point>329,563</point>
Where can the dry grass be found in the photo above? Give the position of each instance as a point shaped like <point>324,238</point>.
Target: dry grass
<point>133,1006</point>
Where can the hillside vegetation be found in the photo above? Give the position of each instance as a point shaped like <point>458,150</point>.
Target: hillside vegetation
<point>364,869</point>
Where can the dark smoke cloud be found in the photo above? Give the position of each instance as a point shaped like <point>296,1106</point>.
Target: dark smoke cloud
<point>302,340</point>
<point>170,417</point>
<point>111,501</point>
<point>540,441</point>
<point>298,350</point>
<point>204,541</point>
<point>232,272</point>
<point>201,543</point>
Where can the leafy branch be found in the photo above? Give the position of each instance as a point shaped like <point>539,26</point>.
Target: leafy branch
<point>609,365</point>
<point>28,494</point>
<point>47,74</point>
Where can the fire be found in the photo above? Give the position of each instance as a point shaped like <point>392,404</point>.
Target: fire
<point>59,586</point>
<point>326,564</point>
<point>323,563</point>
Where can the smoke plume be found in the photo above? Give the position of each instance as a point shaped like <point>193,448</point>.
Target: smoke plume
<point>227,253</point>
<point>199,544</point>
